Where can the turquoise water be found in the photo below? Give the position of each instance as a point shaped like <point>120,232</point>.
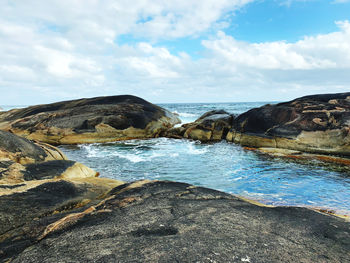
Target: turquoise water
<point>223,166</point>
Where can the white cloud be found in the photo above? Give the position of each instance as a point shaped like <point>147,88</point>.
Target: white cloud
<point>63,47</point>
<point>318,52</point>
<point>55,50</point>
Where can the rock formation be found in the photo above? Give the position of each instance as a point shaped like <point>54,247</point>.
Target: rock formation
<point>211,126</point>
<point>23,151</point>
<point>156,221</point>
<point>56,210</point>
<point>36,180</point>
<point>314,124</point>
<point>101,119</point>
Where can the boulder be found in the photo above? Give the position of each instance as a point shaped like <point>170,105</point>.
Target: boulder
<point>23,160</point>
<point>211,126</point>
<point>23,151</point>
<point>101,119</point>
<point>14,173</point>
<point>158,221</point>
<point>314,124</point>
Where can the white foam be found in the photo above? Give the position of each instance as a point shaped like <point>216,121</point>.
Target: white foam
<point>134,158</point>
<point>91,150</point>
<point>193,150</point>
<point>236,179</point>
<point>187,115</point>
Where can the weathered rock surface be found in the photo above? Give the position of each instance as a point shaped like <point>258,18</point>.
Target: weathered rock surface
<point>100,119</point>
<point>23,205</point>
<point>17,149</point>
<point>14,173</point>
<point>211,126</point>
<point>171,222</point>
<point>315,124</point>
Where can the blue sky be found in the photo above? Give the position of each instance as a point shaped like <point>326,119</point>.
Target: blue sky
<point>180,51</point>
<point>262,21</point>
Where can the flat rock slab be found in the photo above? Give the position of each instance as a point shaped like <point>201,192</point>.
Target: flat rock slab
<point>176,222</point>
<point>100,119</point>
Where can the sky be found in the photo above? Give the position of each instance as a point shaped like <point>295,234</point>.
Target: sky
<point>173,51</point>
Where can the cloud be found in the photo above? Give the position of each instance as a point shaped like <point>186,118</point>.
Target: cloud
<point>317,52</point>
<point>71,47</point>
<point>237,70</point>
<point>55,50</point>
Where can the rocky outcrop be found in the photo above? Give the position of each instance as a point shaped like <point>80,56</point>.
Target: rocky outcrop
<point>101,119</point>
<point>24,205</point>
<point>211,126</point>
<point>15,173</point>
<point>23,160</point>
<point>23,151</point>
<point>36,181</point>
<point>314,124</point>
<point>168,222</point>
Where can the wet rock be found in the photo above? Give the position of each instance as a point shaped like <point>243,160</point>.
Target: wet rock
<point>176,222</point>
<point>315,124</point>
<point>100,119</point>
<point>211,126</point>
<point>23,151</point>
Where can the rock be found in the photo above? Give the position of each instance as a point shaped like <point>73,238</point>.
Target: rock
<point>23,205</point>
<point>175,133</point>
<point>211,126</point>
<point>23,151</point>
<point>14,173</point>
<point>314,124</point>
<point>173,222</point>
<point>101,119</point>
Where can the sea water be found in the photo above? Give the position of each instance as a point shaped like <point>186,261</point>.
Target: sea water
<point>222,166</point>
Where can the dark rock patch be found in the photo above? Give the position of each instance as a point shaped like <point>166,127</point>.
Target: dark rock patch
<point>100,119</point>
<point>46,170</point>
<point>22,147</point>
<point>316,124</point>
<point>176,222</point>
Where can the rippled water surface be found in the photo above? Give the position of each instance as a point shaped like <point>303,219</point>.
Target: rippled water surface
<point>223,166</point>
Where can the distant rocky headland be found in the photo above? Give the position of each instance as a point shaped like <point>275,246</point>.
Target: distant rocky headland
<point>59,210</point>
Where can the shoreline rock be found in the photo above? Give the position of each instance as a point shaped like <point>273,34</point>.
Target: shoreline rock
<point>315,124</point>
<point>100,119</point>
<point>211,126</point>
<point>58,210</point>
<point>23,151</point>
<point>159,221</point>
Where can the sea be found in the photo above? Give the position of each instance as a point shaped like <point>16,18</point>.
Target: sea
<point>223,166</point>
